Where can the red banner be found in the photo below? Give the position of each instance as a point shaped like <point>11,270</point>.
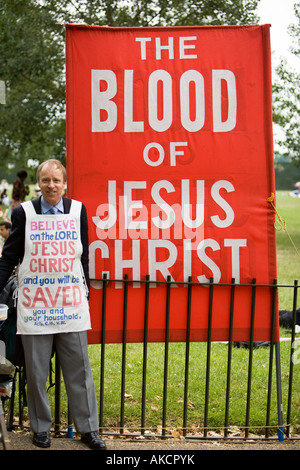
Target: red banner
<point>169,146</point>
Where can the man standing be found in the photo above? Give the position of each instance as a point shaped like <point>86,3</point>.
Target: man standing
<point>49,242</point>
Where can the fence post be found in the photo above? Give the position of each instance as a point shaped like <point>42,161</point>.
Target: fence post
<point>104,289</point>
<point>249,381</point>
<point>211,284</point>
<point>166,360</point>
<point>278,370</point>
<point>187,355</point>
<point>277,363</point>
<point>288,416</point>
<point>124,345</point>
<point>145,352</point>
<point>229,357</point>
<point>279,392</point>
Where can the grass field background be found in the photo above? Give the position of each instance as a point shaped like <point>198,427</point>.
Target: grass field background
<point>288,244</point>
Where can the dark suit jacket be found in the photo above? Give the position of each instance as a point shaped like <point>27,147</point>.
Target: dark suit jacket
<point>13,250</point>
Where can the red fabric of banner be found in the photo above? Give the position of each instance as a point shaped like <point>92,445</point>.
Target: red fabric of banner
<point>169,146</point>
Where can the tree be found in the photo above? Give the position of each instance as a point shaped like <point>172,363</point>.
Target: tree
<point>32,122</point>
<point>286,100</point>
<point>31,64</point>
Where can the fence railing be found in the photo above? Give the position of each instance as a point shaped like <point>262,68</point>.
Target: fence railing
<point>282,426</point>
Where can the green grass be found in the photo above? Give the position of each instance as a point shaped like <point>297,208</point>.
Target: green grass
<point>288,270</point>
<point>197,380</point>
<point>288,246</point>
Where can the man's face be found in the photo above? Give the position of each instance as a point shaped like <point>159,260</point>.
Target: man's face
<point>51,183</point>
<point>4,232</point>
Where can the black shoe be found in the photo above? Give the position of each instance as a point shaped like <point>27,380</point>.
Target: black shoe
<point>41,439</point>
<point>93,440</point>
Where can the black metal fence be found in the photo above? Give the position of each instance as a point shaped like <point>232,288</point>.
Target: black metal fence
<point>282,427</point>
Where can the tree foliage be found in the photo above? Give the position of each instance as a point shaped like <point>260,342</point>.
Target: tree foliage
<point>32,121</point>
<point>31,64</point>
<point>286,99</point>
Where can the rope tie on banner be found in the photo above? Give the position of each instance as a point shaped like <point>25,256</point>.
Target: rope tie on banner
<point>282,223</point>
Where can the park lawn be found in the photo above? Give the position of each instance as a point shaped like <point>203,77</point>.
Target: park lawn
<point>288,246</point>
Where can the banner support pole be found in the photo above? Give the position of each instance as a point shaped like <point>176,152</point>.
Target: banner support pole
<point>280,432</point>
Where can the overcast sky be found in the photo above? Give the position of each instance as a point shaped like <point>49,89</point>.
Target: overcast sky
<point>280,14</point>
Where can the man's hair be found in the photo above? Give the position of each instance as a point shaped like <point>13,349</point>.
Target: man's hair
<point>52,161</point>
<point>7,225</point>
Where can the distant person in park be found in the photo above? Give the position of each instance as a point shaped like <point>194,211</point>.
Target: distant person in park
<point>5,229</point>
<point>296,192</point>
<point>49,237</point>
<point>3,185</point>
<point>20,191</point>
<point>4,233</point>
<point>4,198</point>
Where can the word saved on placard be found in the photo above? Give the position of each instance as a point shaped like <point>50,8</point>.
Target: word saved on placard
<point>62,296</point>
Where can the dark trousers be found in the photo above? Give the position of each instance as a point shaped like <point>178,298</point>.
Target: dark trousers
<point>72,352</point>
